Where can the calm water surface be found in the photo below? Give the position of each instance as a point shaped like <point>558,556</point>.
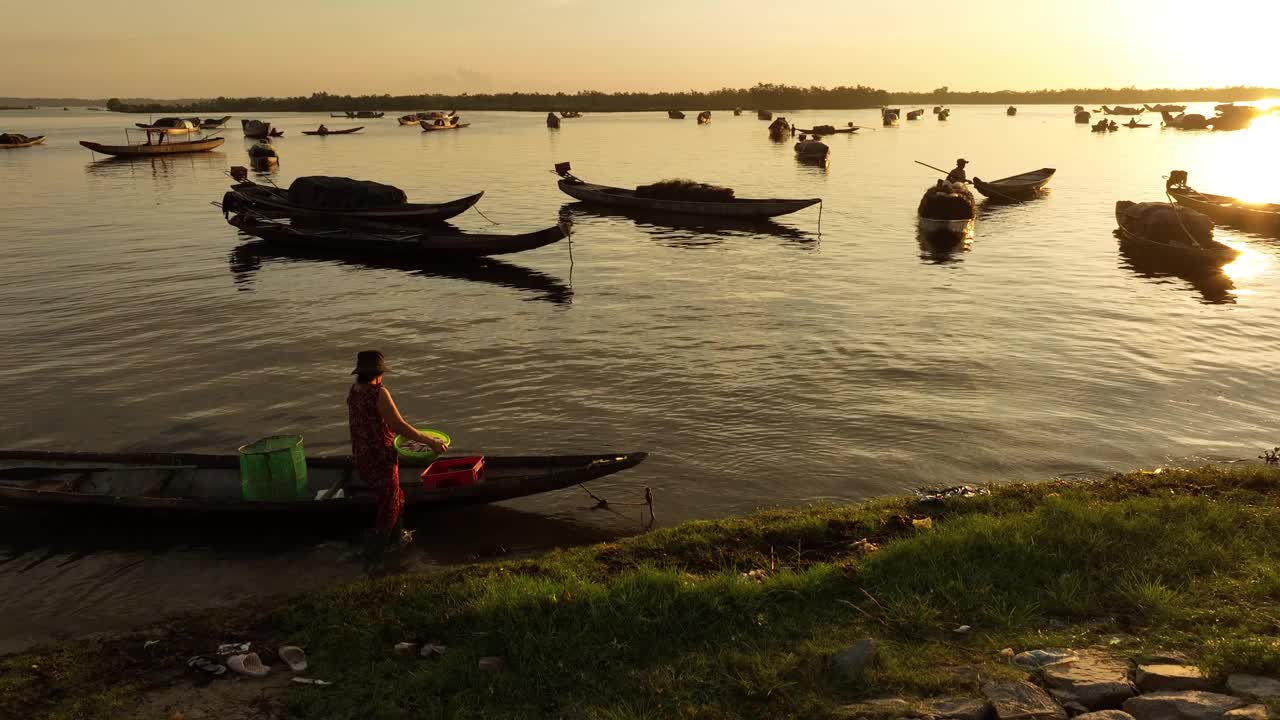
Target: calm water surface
<point>800,362</point>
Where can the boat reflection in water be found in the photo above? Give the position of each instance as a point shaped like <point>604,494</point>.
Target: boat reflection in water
<point>159,165</point>
<point>690,231</point>
<point>247,259</point>
<point>942,248</point>
<point>1215,285</point>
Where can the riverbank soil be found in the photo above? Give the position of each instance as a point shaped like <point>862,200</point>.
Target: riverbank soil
<point>805,613</point>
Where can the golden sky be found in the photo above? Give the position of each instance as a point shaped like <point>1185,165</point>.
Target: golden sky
<point>144,48</point>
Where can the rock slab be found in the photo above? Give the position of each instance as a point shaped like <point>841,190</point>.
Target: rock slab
<point>1254,686</point>
<point>1186,705</point>
<point>1015,700</point>
<point>1157,677</point>
<point>854,660</point>
<point>1248,712</point>
<point>1106,715</point>
<point>955,708</point>
<point>1095,681</point>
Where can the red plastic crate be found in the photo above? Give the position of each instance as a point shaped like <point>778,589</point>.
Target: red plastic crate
<point>454,472</point>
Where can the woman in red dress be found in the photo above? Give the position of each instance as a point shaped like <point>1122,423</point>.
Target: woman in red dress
<point>374,421</point>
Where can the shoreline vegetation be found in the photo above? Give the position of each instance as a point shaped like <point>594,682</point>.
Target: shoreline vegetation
<point>769,615</point>
<point>762,96</point>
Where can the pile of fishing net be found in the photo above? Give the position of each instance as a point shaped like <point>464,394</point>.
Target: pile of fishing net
<point>948,201</point>
<point>824,129</point>
<point>1161,223</point>
<point>679,189</point>
<point>340,193</point>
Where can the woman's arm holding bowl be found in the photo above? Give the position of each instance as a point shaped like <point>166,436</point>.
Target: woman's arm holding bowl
<point>391,416</point>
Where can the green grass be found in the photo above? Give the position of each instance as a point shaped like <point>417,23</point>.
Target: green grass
<point>737,618</point>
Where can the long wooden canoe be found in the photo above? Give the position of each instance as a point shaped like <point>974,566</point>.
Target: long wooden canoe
<point>1228,210</point>
<point>394,240</point>
<point>1210,253</point>
<point>348,131</point>
<point>161,148</point>
<point>182,487</point>
<point>1016,187</point>
<point>617,197</point>
<point>36,140</point>
<point>170,126</point>
<point>274,202</point>
<point>428,127</point>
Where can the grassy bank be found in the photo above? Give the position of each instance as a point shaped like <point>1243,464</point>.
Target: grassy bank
<point>739,618</point>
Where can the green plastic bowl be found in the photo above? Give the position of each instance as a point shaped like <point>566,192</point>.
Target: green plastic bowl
<point>425,455</point>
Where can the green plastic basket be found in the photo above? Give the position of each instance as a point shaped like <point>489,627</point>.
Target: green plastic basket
<point>273,468</point>
<point>425,455</point>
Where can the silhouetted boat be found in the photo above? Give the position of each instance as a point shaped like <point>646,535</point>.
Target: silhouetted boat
<point>1017,187</point>
<point>675,115</point>
<point>889,116</point>
<point>1083,117</point>
<point>553,122</point>
<point>10,141</point>
<point>214,123</point>
<point>915,114</point>
<point>629,200</point>
<point>1191,254</point>
<point>764,115</point>
<point>1122,110</point>
<point>396,241</point>
<point>326,131</point>
<point>1165,108</point>
<point>704,117</point>
<point>1011,111</point>
<point>157,148</point>
<point>275,202</point>
<point>439,124</point>
<point>256,129</point>
<point>182,488</point>
<point>1223,208</point>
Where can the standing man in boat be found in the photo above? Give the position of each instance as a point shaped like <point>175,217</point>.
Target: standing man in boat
<point>957,175</point>
<point>374,420</point>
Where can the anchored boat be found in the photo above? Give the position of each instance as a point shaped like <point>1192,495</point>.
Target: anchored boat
<point>625,199</point>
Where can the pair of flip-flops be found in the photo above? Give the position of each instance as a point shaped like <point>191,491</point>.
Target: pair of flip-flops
<point>248,663</point>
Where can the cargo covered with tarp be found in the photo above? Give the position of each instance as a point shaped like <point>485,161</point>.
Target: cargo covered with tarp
<point>13,138</point>
<point>1163,222</point>
<point>338,193</point>
<point>685,190</point>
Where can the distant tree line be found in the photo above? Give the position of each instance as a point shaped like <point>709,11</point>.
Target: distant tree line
<point>766,96</point>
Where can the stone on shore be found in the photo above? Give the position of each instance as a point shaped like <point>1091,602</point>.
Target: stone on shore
<point>1186,705</point>
<point>1153,678</point>
<point>1016,700</point>
<point>955,708</point>
<point>854,661</point>
<point>1253,686</point>
<point>1096,681</point>
<point>1106,715</point>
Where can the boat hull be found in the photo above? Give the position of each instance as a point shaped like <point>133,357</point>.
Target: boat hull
<point>37,140</point>
<point>959,229</point>
<point>1229,210</point>
<point>274,202</point>
<point>186,487</point>
<point>1016,187</point>
<point>348,131</point>
<point>164,148</point>
<point>1177,256</point>
<point>386,242</point>
<point>627,200</point>
<point>428,127</point>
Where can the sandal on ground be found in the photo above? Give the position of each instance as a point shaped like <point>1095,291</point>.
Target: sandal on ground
<point>249,664</point>
<point>206,664</point>
<point>294,657</point>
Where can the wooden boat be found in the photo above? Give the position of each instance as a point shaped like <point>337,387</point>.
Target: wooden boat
<point>275,133</point>
<point>1165,108</point>
<point>1122,110</point>
<point>347,131</point>
<point>1077,109</point>
<point>256,129</point>
<point>362,114</point>
<point>737,112</point>
<point>780,129</point>
<point>1194,121</point>
<point>1135,124</point>
<point>946,211</point>
<point>704,117</point>
<point>1084,117</point>
<point>889,116</point>
<point>394,241</point>
<point>1011,111</point>
<point>675,115</point>
<point>157,148</point>
<point>945,114</point>
<point>413,119</point>
<point>915,114</point>
<point>937,109</point>
<point>553,122</point>
<point>764,115</point>
<point>273,202</point>
<point>184,488</point>
<point>33,140</point>
<point>830,130</point>
<point>1016,187</point>
<point>1223,208</point>
<point>571,114</point>
<point>214,123</point>
<point>1210,252</point>
<point>625,199</point>
<point>812,150</point>
<point>263,157</point>
<point>170,126</point>
<point>430,127</point>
